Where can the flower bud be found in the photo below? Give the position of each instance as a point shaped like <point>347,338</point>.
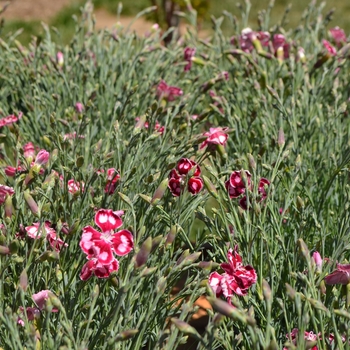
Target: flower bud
<point>42,157</point>
<point>10,171</point>
<point>60,59</point>
<point>79,107</point>
<point>142,255</point>
<point>31,204</point>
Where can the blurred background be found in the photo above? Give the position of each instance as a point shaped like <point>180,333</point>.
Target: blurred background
<point>26,15</point>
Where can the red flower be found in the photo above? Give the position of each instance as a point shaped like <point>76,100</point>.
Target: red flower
<point>177,177</point>
<point>195,184</point>
<point>10,171</point>
<point>10,119</point>
<point>189,52</point>
<point>100,246</point>
<point>166,92</point>
<point>112,180</point>
<point>236,279</point>
<point>215,136</point>
<point>340,276</point>
<point>235,185</point>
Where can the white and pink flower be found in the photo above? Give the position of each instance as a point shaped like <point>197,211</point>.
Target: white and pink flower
<point>100,246</point>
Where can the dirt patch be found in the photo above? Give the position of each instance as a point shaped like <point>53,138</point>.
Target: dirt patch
<point>33,9</point>
<point>45,10</point>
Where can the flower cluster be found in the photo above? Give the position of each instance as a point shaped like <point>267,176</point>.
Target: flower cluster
<point>100,246</point>
<point>236,186</point>
<point>249,39</point>
<point>236,279</point>
<point>39,230</point>
<point>186,170</point>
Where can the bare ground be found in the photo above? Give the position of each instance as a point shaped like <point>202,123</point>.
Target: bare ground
<point>45,10</point>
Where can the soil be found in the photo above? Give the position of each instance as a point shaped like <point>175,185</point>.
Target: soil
<point>45,10</point>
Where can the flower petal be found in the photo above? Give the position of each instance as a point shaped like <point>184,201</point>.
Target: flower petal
<point>122,242</point>
<point>107,221</point>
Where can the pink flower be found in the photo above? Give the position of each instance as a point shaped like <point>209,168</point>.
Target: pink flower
<point>10,119</point>
<point>31,312</point>
<point>46,231</point>
<point>168,93</point>
<point>100,246</point>
<point>189,52</point>
<point>340,276</point>
<point>4,191</point>
<point>308,336</point>
<point>42,157</point>
<point>112,180</point>
<point>29,151</point>
<point>338,36</point>
<point>215,136</point>
<point>10,171</point>
<point>79,107</point>
<point>75,186</point>
<point>236,279</point>
<point>177,177</point>
<point>330,49</point>
<point>41,298</point>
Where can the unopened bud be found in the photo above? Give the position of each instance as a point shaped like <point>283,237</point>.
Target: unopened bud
<point>159,193</point>
<point>281,139</point>
<point>142,255</point>
<point>31,204</point>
